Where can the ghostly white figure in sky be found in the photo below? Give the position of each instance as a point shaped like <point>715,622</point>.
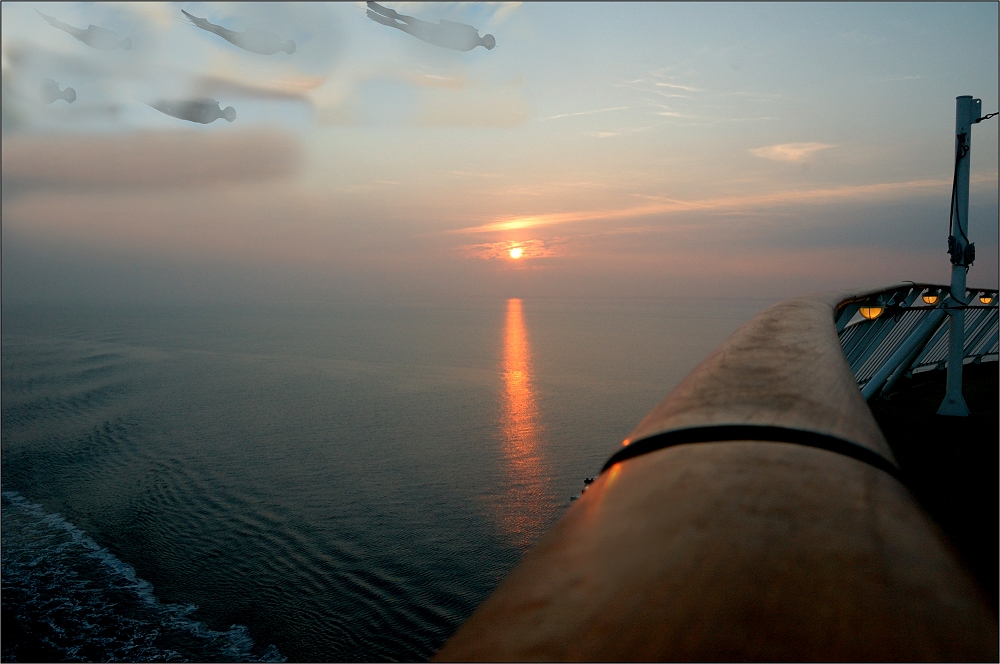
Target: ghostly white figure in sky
<point>50,92</point>
<point>444,33</point>
<point>251,39</point>
<point>93,36</point>
<point>202,111</point>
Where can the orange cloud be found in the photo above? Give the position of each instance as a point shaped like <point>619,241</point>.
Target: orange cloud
<point>291,87</point>
<point>501,250</point>
<point>665,205</point>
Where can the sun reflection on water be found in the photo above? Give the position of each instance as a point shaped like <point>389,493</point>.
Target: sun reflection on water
<point>526,504</point>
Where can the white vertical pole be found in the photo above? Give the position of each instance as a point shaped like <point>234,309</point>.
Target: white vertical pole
<point>967,112</point>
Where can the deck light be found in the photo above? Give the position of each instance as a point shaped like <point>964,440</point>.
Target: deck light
<point>871,310</point>
<point>985,298</point>
<point>932,296</point>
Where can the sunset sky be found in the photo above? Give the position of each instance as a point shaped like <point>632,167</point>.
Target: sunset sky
<point>623,149</point>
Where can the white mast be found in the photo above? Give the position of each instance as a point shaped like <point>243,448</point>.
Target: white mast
<point>962,252</point>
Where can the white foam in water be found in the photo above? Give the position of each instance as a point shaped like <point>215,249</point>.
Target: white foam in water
<point>76,606</point>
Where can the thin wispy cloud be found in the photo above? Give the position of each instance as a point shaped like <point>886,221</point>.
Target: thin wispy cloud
<point>622,132</point>
<point>423,79</point>
<point>684,120</point>
<point>675,86</point>
<point>570,115</point>
<point>694,106</point>
<point>644,86</point>
<point>796,153</point>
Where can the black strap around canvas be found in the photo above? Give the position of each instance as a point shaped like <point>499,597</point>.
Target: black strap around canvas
<point>772,434</point>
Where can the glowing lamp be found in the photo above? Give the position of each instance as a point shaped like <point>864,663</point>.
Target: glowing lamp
<point>985,298</point>
<point>930,297</point>
<point>871,311</point>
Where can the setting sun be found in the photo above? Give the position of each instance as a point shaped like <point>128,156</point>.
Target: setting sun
<point>516,252</point>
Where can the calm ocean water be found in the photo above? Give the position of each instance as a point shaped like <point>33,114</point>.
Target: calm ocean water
<point>310,483</point>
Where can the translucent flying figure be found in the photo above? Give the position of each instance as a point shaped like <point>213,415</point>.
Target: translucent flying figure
<point>444,33</point>
<point>251,39</point>
<point>93,36</point>
<point>50,92</point>
<point>202,111</point>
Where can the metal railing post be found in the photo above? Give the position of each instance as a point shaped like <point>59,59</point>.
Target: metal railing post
<point>896,366</point>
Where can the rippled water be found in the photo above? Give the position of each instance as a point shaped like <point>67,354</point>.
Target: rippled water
<point>316,483</point>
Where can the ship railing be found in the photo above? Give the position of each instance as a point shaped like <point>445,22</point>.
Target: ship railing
<point>756,514</point>
<point>909,333</point>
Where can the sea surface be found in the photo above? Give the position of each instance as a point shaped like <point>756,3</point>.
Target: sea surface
<point>305,482</point>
